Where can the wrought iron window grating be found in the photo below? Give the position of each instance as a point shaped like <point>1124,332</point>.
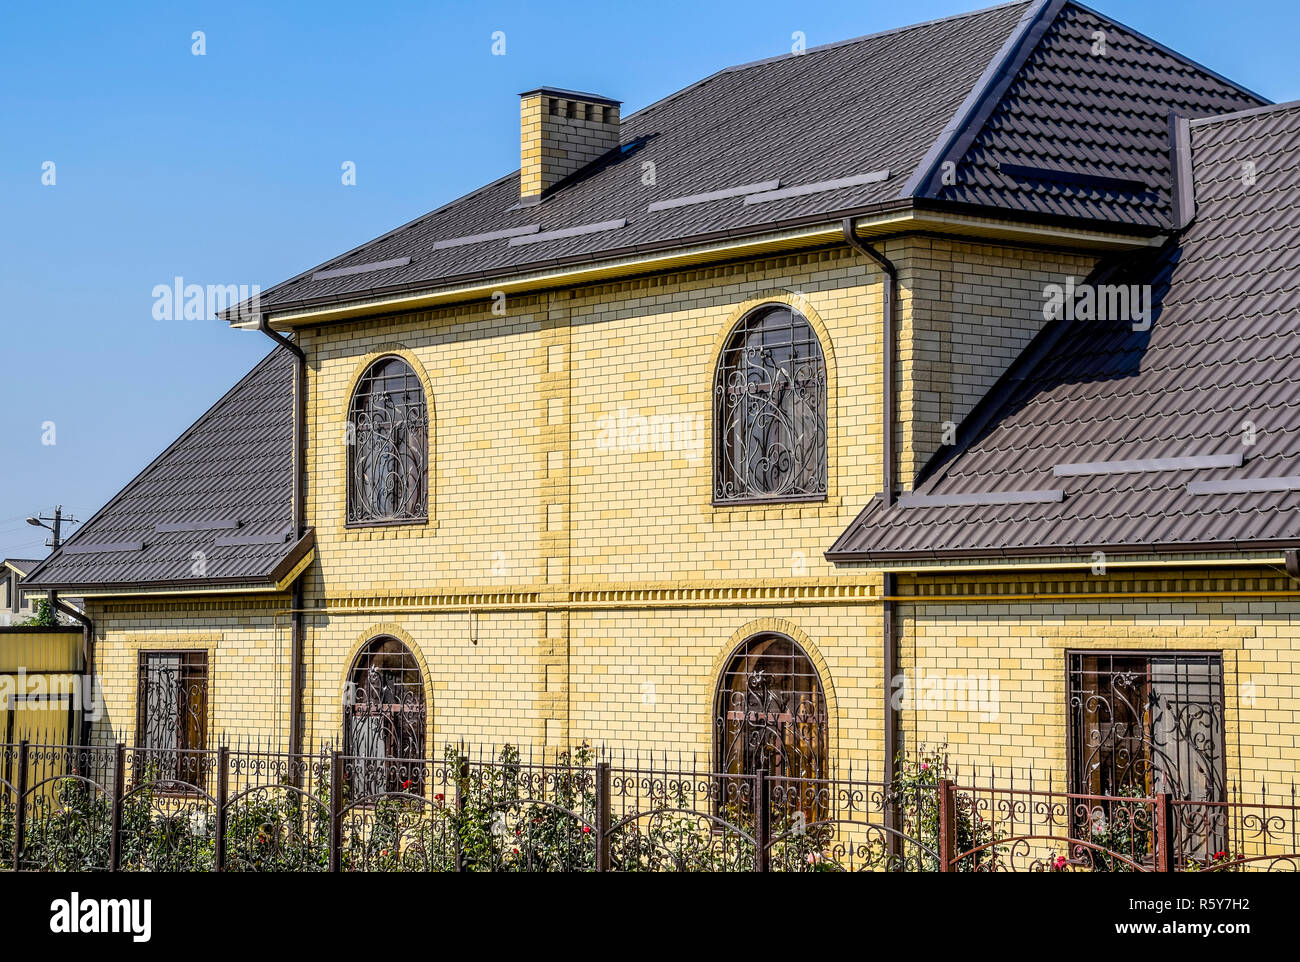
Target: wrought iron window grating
<point>770,422</point>
<point>388,446</point>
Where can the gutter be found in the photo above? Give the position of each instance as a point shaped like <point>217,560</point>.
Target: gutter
<point>681,253</point>
<point>889,609</point>
<point>277,579</point>
<point>1063,551</point>
<point>298,519</point>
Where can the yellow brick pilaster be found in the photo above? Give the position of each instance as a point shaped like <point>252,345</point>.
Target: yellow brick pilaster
<point>554,453</point>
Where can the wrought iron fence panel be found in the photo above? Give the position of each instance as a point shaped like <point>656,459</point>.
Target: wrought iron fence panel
<point>408,829</point>
<point>276,812</point>
<point>662,820</point>
<point>518,815</point>
<point>999,830</point>
<point>167,819</point>
<point>857,826</point>
<point>114,808</point>
<point>64,809</point>
<point>1260,835</point>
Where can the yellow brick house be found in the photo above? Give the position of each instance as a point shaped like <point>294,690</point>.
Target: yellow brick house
<point>747,427</point>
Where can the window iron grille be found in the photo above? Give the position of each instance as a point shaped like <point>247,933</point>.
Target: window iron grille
<point>384,714</point>
<point>770,716</point>
<point>388,446</point>
<point>770,422</point>
<point>172,721</point>
<point>1143,724</point>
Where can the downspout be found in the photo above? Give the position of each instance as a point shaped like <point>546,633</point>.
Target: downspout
<point>889,609</point>
<point>87,655</point>
<point>299,522</point>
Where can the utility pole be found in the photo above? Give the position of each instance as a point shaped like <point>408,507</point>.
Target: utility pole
<point>55,526</point>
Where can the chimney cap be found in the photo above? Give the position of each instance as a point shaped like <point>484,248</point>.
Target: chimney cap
<point>572,95</point>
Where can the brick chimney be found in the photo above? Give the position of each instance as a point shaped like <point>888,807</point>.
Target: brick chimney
<point>561,131</point>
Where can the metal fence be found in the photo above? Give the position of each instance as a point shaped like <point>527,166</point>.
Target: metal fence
<point>120,808</point>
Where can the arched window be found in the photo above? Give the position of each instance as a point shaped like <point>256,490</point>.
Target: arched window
<point>383,715</point>
<point>769,410</point>
<point>770,714</point>
<point>388,446</point>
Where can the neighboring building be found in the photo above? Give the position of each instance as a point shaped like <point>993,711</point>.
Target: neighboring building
<point>642,445</point>
<point>49,658</point>
<point>16,608</point>
<point>20,605</point>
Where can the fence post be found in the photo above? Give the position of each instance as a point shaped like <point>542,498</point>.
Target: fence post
<point>947,825</point>
<point>1164,845</point>
<point>336,811</point>
<point>762,822</point>
<point>893,822</point>
<point>119,791</point>
<point>223,789</point>
<point>462,783</point>
<point>20,810</point>
<point>602,817</point>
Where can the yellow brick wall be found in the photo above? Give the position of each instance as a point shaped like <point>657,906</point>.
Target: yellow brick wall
<point>482,685</point>
<point>646,679</point>
<point>580,426</point>
<point>1015,651</point>
<point>247,651</point>
<point>487,414</point>
<point>546,496</point>
<point>967,310</point>
<point>644,357</point>
<point>574,580</point>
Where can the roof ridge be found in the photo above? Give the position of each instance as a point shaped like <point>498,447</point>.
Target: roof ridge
<point>1249,112</point>
<point>973,113</point>
<point>667,98</point>
<point>822,48</point>
<point>161,456</point>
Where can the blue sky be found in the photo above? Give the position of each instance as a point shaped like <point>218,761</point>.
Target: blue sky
<point>225,169</point>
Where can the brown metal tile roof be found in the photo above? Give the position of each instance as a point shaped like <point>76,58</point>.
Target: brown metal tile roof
<point>22,565</point>
<point>1004,84</point>
<point>233,465</point>
<point>1091,110</point>
<point>1222,351</point>
<point>901,101</point>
